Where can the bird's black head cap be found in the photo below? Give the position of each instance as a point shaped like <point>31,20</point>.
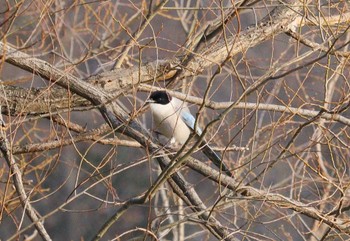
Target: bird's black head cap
<point>160,97</point>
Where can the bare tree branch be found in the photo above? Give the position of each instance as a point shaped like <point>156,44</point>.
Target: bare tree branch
<point>267,82</point>
<point>18,182</point>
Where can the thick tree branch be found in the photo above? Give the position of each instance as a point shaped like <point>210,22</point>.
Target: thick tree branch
<point>22,101</point>
<point>280,20</point>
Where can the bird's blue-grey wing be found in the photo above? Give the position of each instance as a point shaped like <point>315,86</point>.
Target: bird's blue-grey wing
<point>190,121</point>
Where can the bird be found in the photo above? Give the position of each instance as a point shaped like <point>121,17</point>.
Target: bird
<point>173,119</point>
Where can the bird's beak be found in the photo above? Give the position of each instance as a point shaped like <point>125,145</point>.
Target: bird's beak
<point>149,101</point>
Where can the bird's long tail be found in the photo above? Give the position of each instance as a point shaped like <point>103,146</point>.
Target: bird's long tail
<point>215,158</point>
